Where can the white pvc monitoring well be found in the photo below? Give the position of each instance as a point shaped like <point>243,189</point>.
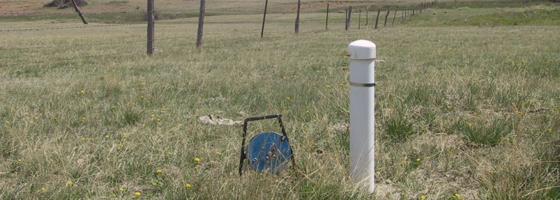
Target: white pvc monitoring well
<point>362,55</point>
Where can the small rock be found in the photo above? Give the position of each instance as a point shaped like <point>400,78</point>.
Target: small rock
<point>242,114</point>
<point>218,121</point>
<point>339,127</point>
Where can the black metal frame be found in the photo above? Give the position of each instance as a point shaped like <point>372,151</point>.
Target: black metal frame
<point>246,122</point>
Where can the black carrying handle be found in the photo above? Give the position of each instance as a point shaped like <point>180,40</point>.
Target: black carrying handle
<point>245,123</point>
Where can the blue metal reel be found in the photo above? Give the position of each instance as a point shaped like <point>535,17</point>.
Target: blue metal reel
<point>269,151</point>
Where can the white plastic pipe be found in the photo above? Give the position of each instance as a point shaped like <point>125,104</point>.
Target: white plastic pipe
<point>362,113</point>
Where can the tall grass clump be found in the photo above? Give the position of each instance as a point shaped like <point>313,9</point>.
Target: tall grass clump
<point>485,132</point>
<point>398,129</point>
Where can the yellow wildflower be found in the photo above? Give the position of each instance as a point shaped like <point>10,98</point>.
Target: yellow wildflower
<point>188,185</point>
<point>197,159</point>
<point>137,193</point>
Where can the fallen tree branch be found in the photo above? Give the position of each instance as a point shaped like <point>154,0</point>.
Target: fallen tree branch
<point>77,9</point>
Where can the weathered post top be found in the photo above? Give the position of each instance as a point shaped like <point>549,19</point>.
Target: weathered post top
<point>361,49</point>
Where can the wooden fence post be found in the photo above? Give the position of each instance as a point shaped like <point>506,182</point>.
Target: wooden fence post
<point>387,15</point>
<point>367,17</point>
<point>406,14</point>
<point>349,16</point>
<point>150,16</point>
<point>346,20</point>
<point>77,10</point>
<point>377,18</point>
<point>394,16</point>
<point>264,18</point>
<point>200,24</point>
<point>297,18</point>
<point>327,20</point>
<point>359,19</point>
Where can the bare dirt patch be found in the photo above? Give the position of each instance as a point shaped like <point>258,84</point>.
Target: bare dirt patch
<point>322,5</point>
<point>11,8</point>
<point>36,8</point>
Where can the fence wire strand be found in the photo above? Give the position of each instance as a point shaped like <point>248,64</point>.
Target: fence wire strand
<point>167,42</point>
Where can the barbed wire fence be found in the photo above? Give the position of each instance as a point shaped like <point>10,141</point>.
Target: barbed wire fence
<point>12,55</point>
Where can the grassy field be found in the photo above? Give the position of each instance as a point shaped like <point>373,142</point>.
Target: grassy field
<point>464,111</point>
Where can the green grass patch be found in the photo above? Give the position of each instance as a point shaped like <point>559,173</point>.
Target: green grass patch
<point>485,133</point>
<point>116,17</point>
<point>512,18</point>
<point>491,4</point>
<point>87,106</point>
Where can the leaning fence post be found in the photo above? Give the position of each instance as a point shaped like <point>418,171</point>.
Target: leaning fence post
<point>264,18</point>
<point>387,15</point>
<point>377,18</point>
<point>362,55</point>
